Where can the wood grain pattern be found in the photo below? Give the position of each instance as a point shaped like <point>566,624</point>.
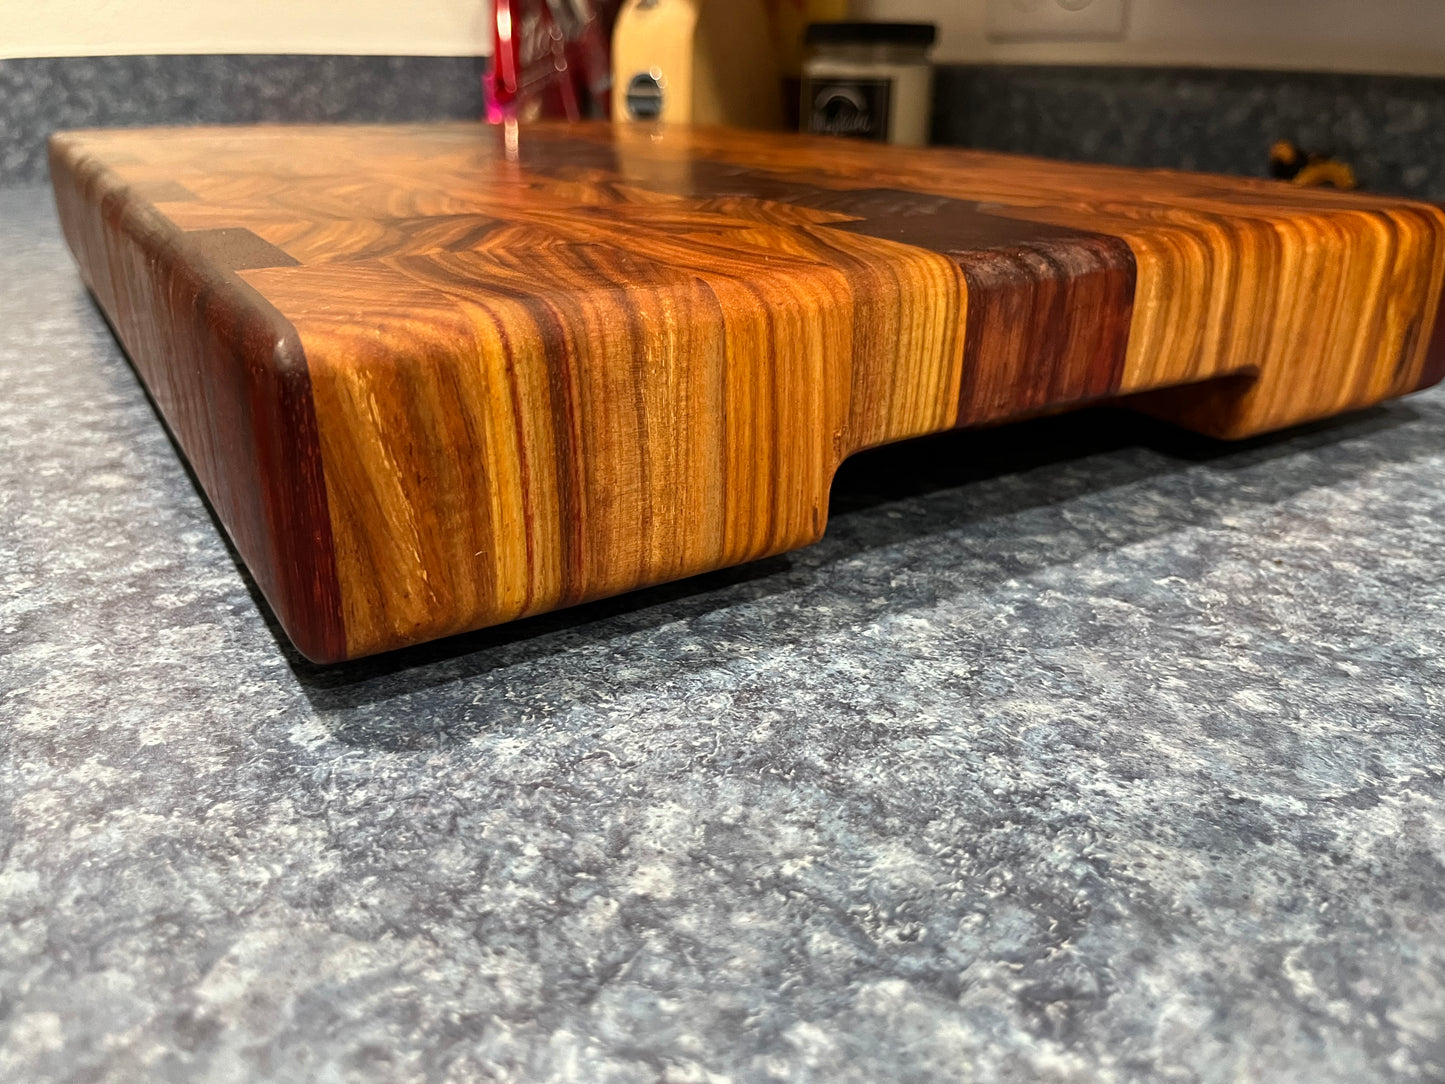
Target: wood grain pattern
<point>431,381</point>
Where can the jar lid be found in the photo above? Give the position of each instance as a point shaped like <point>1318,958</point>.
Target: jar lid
<point>860,33</point>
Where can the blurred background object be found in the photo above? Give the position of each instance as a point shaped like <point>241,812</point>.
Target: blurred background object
<point>696,62</point>
<point>869,81</point>
<point>550,58</point>
<point>1309,168</point>
<point>790,20</point>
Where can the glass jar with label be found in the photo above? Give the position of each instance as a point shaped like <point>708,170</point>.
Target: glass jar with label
<point>869,81</point>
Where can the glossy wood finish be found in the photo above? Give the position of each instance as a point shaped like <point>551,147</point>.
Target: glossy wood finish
<point>432,380</point>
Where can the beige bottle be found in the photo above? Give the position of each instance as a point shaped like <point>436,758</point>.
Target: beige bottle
<point>695,62</point>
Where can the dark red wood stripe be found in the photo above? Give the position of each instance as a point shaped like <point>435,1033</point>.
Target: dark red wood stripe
<point>229,375</point>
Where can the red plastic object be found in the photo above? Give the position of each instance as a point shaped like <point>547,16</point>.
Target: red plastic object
<point>550,58</point>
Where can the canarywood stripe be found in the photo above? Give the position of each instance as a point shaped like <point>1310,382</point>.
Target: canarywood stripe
<point>543,464</point>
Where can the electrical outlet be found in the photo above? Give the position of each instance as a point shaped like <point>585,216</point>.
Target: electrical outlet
<point>1073,20</point>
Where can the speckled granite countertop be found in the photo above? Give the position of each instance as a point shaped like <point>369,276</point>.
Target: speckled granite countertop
<point>1079,750</point>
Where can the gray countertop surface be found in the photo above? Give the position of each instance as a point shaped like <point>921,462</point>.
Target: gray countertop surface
<point>1077,750</point>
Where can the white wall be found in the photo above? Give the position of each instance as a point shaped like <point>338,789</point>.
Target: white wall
<point>105,27</point>
<point>1343,35</point>
<point>1405,36</point>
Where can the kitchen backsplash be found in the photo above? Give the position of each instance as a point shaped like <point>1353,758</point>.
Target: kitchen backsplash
<point>39,96</point>
<point>1390,129</point>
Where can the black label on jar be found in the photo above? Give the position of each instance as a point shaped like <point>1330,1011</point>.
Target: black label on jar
<point>644,97</point>
<point>847,107</point>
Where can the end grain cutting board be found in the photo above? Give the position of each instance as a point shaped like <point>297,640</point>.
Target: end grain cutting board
<point>433,379</point>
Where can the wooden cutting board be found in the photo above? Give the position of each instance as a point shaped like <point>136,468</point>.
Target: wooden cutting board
<point>434,378</point>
